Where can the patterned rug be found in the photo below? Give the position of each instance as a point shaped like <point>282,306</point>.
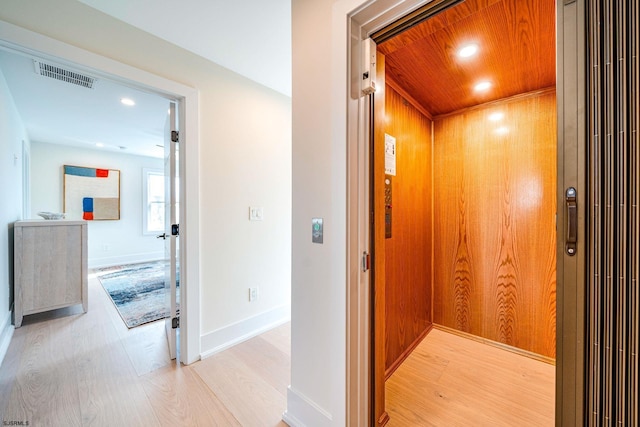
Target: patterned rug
<point>137,291</point>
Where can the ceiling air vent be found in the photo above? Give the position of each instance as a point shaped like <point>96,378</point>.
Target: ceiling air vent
<point>58,73</point>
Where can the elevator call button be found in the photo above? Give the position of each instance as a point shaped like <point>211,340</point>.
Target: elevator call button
<point>316,230</point>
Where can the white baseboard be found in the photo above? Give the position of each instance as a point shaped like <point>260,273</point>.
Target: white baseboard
<point>6,332</point>
<point>228,336</point>
<point>125,259</point>
<point>302,411</point>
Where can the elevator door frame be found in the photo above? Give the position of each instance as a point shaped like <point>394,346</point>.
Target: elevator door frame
<point>362,405</point>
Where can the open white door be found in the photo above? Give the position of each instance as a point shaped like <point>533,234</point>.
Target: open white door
<point>171,229</point>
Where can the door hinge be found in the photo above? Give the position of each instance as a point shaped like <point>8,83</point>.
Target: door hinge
<point>175,322</point>
<point>175,229</point>
<point>175,135</point>
<point>366,261</point>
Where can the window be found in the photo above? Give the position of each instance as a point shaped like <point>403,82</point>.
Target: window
<point>153,201</point>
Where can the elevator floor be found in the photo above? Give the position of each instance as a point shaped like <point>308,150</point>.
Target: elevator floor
<point>449,380</point>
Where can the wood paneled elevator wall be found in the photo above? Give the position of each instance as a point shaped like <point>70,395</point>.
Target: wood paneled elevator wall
<point>494,230</point>
<point>408,257</point>
<point>473,237</point>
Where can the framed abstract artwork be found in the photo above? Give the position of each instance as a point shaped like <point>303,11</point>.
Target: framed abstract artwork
<point>91,193</point>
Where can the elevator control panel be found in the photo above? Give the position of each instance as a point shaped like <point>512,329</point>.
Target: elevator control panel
<point>387,206</point>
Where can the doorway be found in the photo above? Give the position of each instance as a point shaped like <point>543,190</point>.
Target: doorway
<point>467,125</point>
<point>26,42</point>
<point>396,17</point>
<point>72,124</point>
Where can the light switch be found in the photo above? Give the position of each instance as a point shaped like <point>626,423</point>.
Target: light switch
<point>256,213</point>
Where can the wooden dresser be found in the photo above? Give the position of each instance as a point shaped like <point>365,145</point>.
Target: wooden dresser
<point>50,266</point>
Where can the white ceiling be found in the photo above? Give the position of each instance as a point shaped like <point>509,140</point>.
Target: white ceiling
<point>58,112</point>
<point>250,37</point>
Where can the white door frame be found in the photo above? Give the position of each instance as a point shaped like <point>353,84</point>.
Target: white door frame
<point>19,39</point>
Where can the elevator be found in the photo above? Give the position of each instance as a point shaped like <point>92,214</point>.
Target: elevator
<point>466,187</point>
<point>596,221</point>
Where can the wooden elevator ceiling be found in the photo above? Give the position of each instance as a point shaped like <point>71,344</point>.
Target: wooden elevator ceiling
<point>516,40</point>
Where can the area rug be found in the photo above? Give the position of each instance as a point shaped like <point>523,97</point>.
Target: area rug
<point>137,291</point>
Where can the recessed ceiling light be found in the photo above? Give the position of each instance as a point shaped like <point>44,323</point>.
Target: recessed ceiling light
<point>496,117</point>
<point>468,50</point>
<point>482,86</point>
<point>128,101</point>
<point>99,144</point>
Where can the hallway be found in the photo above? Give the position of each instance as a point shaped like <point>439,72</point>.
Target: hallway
<point>89,369</point>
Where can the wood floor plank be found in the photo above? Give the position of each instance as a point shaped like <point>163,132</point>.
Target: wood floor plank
<point>453,381</point>
<point>180,397</point>
<point>272,364</point>
<point>235,383</point>
<point>45,391</point>
<point>108,383</point>
<point>148,351</point>
<point>10,366</point>
<point>280,337</point>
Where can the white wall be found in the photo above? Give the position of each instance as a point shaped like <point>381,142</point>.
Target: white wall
<point>246,163</point>
<point>110,242</point>
<point>327,282</point>
<point>245,150</point>
<point>12,135</point>
<point>317,393</point>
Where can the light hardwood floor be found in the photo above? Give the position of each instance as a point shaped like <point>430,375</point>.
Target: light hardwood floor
<point>451,381</point>
<point>69,368</point>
